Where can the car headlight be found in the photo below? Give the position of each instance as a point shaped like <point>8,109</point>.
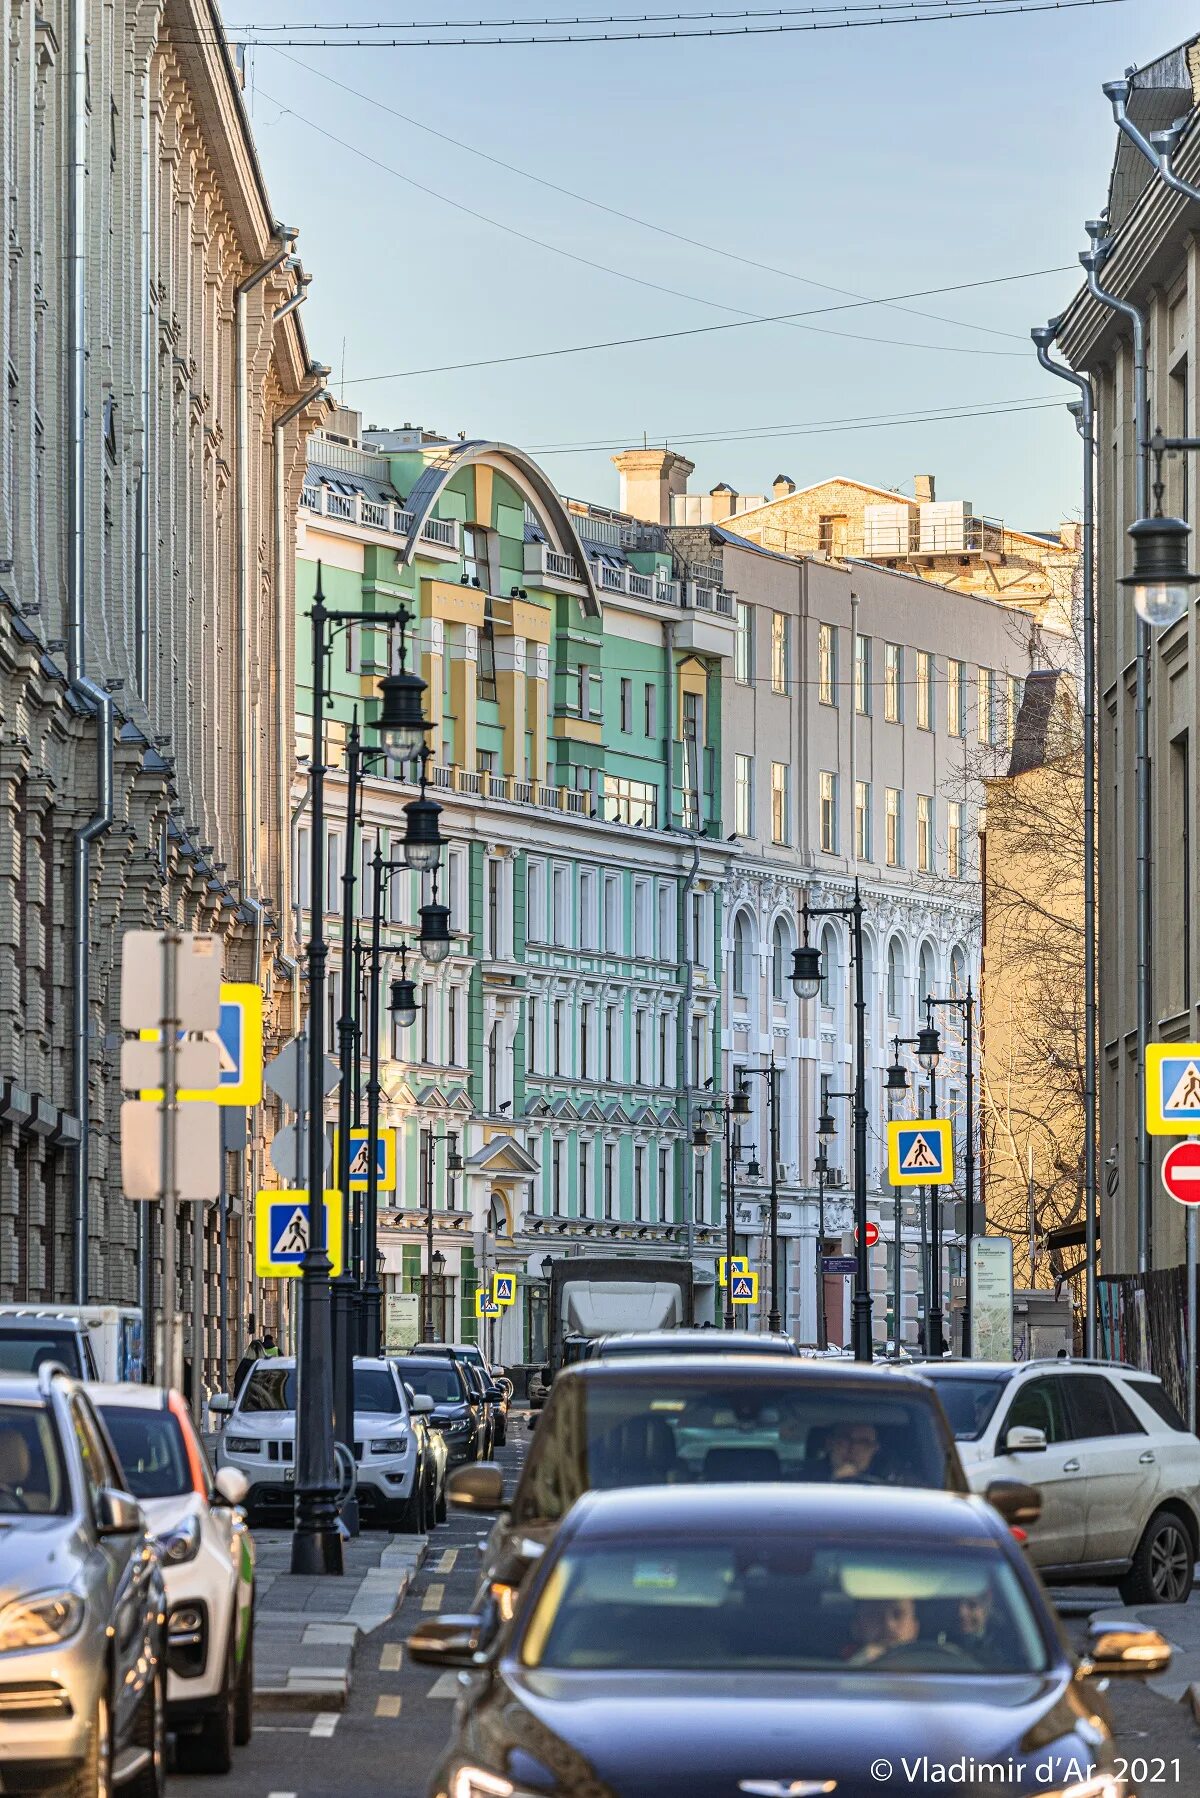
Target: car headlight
<point>180,1544</point>
<point>40,1621</point>
<point>389,1445</point>
<point>243,1445</point>
<point>475,1782</point>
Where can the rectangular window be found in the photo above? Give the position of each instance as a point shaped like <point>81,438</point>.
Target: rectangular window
<point>485,666</point>
<point>664,1185</point>
<point>827,664</point>
<point>925,833</point>
<point>956,697</point>
<point>610,1042</point>
<point>535,901</point>
<point>333,871</point>
<point>639,1048</point>
<point>924,690</point>
<point>639,1180</point>
<point>954,839</point>
<point>1016,692</point>
<point>666,920</point>
<point>556,1176</point>
<point>985,720</point>
<point>585,1040</point>
<point>454,1027</point>
<point>561,914</point>
<point>631,801</point>
<point>781,650</point>
<point>589,933</point>
<point>743,649</point>
<point>610,1179</point>
<point>829,813</point>
<point>862,676</point>
<point>862,820</point>
<point>893,683</point>
<point>626,706</point>
<point>643,925</point>
<point>557,1037</point>
<point>585,1178</point>
<point>651,709</point>
<point>833,534</point>
<point>743,795</point>
<point>894,826</point>
<point>665,1076</point>
<point>781,802</point>
<point>612,914</point>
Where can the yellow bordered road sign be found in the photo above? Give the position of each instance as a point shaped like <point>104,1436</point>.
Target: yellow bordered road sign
<point>921,1152</point>
<point>744,1289</point>
<point>485,1304</point>
<point>504,1289</point>
<point>1173,1089</point>
<point>739,1263</point>
<point>281,1233</point>
<point>239,1037</point>
<point>385,1156</point>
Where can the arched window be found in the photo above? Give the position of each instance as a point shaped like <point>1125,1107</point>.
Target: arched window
<point>958,971</point>
<point>781,950</point>
<point>895,979</point>
<point>829,967</point>
<point>741,955</point>
<point>928,974</point>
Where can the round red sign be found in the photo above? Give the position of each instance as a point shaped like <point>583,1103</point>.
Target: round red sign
<point>1181,1172</point>
<point>873,1232</point>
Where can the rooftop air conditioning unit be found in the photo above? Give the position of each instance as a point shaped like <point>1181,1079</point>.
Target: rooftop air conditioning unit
<point>836,1177</point>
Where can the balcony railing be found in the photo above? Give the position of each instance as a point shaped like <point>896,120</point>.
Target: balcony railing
<point>376,515</point>
<point>620,579</point>
<point>485,783</point>
<point>709,599</point>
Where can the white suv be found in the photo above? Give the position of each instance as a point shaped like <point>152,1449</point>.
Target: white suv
<point>1117,1467</point>
<point>260,1440</point>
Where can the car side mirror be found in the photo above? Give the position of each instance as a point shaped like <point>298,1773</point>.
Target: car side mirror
<point>1115,1650</point>
<point>420,1404</point>
<point>1019,1505</point>
<point>447,1641</point>
<point>1024,1439</point>
<point>232,1485</point>
<point>220,1404</point>
<point>496,1394</point>
<point>477,1488</point>
<point>118,1515</point>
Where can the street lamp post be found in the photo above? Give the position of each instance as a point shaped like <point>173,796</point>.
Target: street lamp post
<point>771,1075</point>
<point>730,1111</point>
<point>806,982</point>
<point>316,1542</point>
<point>435,1261</point>
<point>821,1168</point>
<point>965,1004</point>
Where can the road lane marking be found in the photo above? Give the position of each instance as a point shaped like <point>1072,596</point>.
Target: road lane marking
<point>390,1658</point>
<point>324,1723</point>
<point>432,1600</point>
<point>444,1686</point>
<point>450,1555</point>
<point>388,1704</point>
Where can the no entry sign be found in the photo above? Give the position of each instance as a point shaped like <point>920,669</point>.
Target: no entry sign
<point>873,1233</point>
<point>1181,1172</point>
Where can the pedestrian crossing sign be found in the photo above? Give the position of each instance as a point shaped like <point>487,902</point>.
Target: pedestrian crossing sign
<point>239,1039</point>
<point>739,1263</point>
<point>920,1152</point>
<point>504,1288</point>
<point>485,1304</point>
<point>360,1163</point>
<point>745,1288</point>
<point>1173,1089</point>
<point>281,1233</point>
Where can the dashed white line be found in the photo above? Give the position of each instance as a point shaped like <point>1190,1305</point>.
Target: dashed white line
<point>324,1723</point>
<point>433,1598</point>
<point>449,1557</point>
<point>388,1704</point>
<point>391,1658</point>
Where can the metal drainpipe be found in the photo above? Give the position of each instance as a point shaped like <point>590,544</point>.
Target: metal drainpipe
<point>1160,147</point>
<point>93,694</point>
<point>1043,337</point>
<point>285,237</point>
<point>1091,260</point>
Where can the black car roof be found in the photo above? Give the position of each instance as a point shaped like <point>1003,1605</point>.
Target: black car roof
<point>741,1367</point>
<point>872,1513</point>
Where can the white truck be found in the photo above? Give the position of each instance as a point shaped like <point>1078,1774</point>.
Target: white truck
<point>91,1341</point>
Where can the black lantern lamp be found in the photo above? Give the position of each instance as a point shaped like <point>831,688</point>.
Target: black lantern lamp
<point>402,723</point>
<point>439,1264</point>
<point>700,1137</point>
<point>826,1129</point>
<point>404,1003</point>
<point>897,1077</point>
<point>929,1048</point>
<point>754,1171</point>
<point>547,1264</point>
<point>454,1161</point>
<point>739,1104</point>
<point>434,940</point>
<point>423,841</point>
<point>806,971</point>
<point>1161,579</point>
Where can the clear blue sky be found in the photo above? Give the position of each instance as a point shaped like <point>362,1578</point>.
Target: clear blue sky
<point>883,160</point>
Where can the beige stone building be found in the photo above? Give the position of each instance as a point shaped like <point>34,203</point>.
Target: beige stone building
<point>152,431</point>
<point>942,540</point>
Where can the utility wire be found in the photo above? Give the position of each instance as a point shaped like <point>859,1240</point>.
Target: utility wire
<point>632,218</point>
<point>844,7</point>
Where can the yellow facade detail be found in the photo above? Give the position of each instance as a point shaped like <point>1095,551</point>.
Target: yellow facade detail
<point>530,621</point>
<point>484,482</point>
<point>452,603</point>
<point>579,730</point>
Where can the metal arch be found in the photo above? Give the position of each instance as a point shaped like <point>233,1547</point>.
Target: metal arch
<point>524,472</point>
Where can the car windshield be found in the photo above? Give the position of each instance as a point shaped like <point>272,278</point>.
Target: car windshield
<point>968,1403</point>
<point>151,1450</point>
<point>783,1605</point>
<point>25,1349</point>
<point>747,1346</point>
<point>32,1479</point>
<point>674,1430</point>
<point>274,1389</point>
<point>433,1379</point>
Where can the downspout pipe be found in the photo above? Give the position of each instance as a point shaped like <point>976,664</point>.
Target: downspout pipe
<point>1085,408</point>
<point>1091,261</point>
<point>285,236</point>
<point>94,696</point>
<point>1159,147</point>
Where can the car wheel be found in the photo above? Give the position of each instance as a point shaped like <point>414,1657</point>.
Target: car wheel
<point>1163,1565</point>
<point>243,1710</point>
<point>209,1749</point>
<point>150,1731</point>
<point>408,1516</point>
<point>93,1778</point>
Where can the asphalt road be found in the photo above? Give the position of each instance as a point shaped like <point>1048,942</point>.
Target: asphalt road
<point>398,1720</point>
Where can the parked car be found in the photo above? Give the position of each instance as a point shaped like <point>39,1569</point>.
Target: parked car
<point>207,1555</point>
<point>83,1698</point>
<point>771,1640</point>
<point>37,1338</point>
<point>693,1342</point>
<point>714,1420</point>
<point>435,1457</point>
<point>1117,1467</point>
<point>259,1439</point>
<point>444,1381</point>
<point>490,1379</point>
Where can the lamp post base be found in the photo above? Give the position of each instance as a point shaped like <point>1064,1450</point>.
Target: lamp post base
<point>937,1334</point>
<point>372,1314</point>
<point>345,1333</point>
<point>774,1322</point>
<point>860,1324</point>
<point>318,1549</point>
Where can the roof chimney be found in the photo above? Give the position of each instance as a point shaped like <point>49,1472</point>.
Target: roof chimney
<point>923,491</point>
<point>724,499</point>
<point>650,478</point>
<point>782,485</point>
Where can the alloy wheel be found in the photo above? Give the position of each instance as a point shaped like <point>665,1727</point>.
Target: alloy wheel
<point>1171,1564</point>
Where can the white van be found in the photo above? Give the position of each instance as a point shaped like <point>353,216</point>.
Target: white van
<point>91,1341</point>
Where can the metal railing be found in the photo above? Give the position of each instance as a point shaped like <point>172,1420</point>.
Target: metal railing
<point>486,783</point>
<point>376,515</point>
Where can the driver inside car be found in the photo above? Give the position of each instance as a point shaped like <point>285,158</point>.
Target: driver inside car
<point>880,1624</point>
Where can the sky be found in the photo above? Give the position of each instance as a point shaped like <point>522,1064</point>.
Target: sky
<point>879,161</point>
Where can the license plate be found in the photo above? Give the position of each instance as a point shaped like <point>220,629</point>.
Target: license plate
<point>289,1474</point>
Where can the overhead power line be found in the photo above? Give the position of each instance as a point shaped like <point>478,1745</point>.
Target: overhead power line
<point>633,219</point>
<point>843,8</point>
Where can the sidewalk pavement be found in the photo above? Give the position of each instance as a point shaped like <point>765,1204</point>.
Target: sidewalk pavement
<point>306,1627</point>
